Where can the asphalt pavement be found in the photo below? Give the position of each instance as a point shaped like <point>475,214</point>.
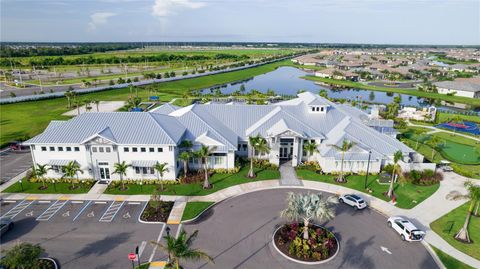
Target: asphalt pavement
<point>13,163</point>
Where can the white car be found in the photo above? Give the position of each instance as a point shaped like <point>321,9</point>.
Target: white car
<point>406,229</point>
<point>353,200</point>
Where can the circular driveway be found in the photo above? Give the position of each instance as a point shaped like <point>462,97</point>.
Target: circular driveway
<point>237,233</point>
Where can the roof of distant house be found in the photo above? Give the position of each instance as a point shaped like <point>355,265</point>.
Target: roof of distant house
<point>469,85</point>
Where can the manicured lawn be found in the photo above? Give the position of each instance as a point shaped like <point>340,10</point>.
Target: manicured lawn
<point>448,225</point>
<point>219,181</point>
<point>193,209</point>
<point>414,92</point>
<point>448,261</point>
<point>408,195</point>
<point>29,187</point>
<point>443,117</point>
<point>143,266</point>
<point>26,119</point>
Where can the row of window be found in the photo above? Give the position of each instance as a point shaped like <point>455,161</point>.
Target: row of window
<point>142,149</point>
<point>101,149</point>
<point>144,170</point>
<point>61,148</point>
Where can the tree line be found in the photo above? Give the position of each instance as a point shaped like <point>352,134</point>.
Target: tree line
<point>53,50</point>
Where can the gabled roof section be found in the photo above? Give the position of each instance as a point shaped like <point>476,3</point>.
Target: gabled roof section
<point>207,139</point>
<point>281,127</point>
<point>165,109</point>
<point>259,123</point>
<point>105,133</point>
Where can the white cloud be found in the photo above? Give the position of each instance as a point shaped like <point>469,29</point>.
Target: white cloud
<point>164,8</point>
<point>99,18</point>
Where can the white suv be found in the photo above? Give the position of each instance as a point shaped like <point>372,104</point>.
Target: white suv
<point>406,229</point>
<point>353,200</point>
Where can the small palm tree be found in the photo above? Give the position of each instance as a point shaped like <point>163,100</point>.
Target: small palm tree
<point>257,144</point>
<point>418,133</point>
<point>473,196</point>
<point>97,103</point>
<point>121,170</point>
<point>71,170</point>
<point>161,169</point>
<point>308,207</point>
<point>346,146</point>
<point>262,146</point>
<point>397,156</point>
<point>40,171</point>
<point>203,153</point>
<point>185,157</point>
<point>310,148</point>
<point>435,142</point>
<point>181,249</point>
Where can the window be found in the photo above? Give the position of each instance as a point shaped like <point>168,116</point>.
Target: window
<point>94,149</point>
<point>137,170</point>
<point>108,149</point>
<point>52,148</point>
<point>143,149</point>
<point>56,168</point>
<point>160,149</point>
<point>76,148</point>
<point>218,160</point>
<point>322,108</point>
<point>60,148</point>
<point>125,149</point>
<point>151,149</point>
<point>170,148</point>
<point>152,171</point>
<point>69,148</point>
<point>318,108</point>
<point>313,109</point>
<point>134,150</point>
<point>144,170</point>
<point>100,149</point>
<point>103,163</point>
<point>44,148</point>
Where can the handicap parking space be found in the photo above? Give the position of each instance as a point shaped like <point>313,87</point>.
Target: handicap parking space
<point>129,212</point>
<point>33,210</point>
<point>92,211</point>
<point>6,205</point>
<point>68,211</point>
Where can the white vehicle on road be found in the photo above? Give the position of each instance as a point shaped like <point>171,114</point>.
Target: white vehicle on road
<point>406,229</point>
<point>353,200</point>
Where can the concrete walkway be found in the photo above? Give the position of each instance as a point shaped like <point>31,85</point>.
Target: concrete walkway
<point>288,176</point>
<point>422,215</point>
<point>98,188</point>
<point>436,130</point>
<point>177,211</point>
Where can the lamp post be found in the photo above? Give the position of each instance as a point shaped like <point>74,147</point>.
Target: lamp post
<point>141,187</point>
<point>368,167</point>
<point>54,185</point>
<point>21,185</point>
<point>168,234</point>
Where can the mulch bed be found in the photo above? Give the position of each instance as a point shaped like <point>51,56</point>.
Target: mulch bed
<point>195,177</point>
<point>159,214</point>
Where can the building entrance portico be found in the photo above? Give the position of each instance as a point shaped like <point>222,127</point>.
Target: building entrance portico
<point>286,149</point>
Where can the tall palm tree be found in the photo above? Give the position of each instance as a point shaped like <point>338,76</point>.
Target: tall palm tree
<point>418,133</point>
<point>262,146</point>
<point>186,144</point>
<point>161,169</point>
<point>185,157</point>
<point>435,141</point>
<point>69,95</point>
<point>310,148</point>
<point>346,146</point>
<point>97,103</point>
<point>71,170</point>
<point>121,170</point>
<point>258,144</point>
<point>40,171</point>
<point>308,207</point>
<point>473,196</point>
<point>180,248</point>
<point>397,156</point>
<point>203,153</point>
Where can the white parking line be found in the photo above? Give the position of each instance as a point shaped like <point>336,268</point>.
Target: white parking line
<point>44,202</point>
<point>178,230</point>
<point>9,201</point>
<point>158,240</point>
<point>100,202</point>
<point>111,211</point>
<point>134,203</point>
<point>81,211</point>
<point>52,210</point>
<point>77,202</point>
<point>12,213</point>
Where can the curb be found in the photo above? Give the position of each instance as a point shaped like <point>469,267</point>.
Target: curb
<point>434,255</point>
<point>199,214</point>
<point>147,222</point>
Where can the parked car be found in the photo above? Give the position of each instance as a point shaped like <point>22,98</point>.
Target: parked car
<point>353,200</point>
<point>5,225</point>
<point>406,229</point>
<point>447,168</point>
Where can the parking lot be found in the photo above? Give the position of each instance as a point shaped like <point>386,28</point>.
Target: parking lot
<point>83,234</point>
<point>13,163</point>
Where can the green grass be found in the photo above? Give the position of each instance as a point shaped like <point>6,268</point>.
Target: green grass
<point>455,219</point>
<point>193,209</point>
<point>414,92</point>
<point>219,181</point>
<point>143,266</point>
<point>61,188</point>
<point>408,195</point>
<point>23,120</point>
<point>445,117</point>
<point>448,261</point>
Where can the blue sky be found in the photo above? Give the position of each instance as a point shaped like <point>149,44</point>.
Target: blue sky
<point>323,21</point>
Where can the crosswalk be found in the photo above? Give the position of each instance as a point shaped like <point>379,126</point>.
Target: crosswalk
<point>12,213</point>
<point>54,208</point>
<point>112,210</point>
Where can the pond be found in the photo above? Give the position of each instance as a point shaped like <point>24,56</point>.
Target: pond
<point>287,81</point>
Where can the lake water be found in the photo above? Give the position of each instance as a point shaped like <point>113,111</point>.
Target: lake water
<point>287,81</point>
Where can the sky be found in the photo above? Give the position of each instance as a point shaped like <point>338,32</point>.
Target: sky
<point>439,22</point>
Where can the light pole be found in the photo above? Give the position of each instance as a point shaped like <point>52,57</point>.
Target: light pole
<point>21,185</point>
<point>368,167</point>
<point>54,185</point>
<point>168,234</point>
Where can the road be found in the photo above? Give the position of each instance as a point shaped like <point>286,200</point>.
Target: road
<point>237,234</point>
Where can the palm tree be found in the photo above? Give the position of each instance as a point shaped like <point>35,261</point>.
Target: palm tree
<point>308,207</point>
<point>346,146</point>
<point>257,144</point>
<point>310,148</point>
<point>121,170</point>
<point>97,103</point>
<point>473,196</point>
<point>417,133</point>
<point>186,144</point>
<point>397,156</point>
<point>161,169</point>
<point>435,141</point>
<point>40,171</point>
<point>262,146</point>
<point>185,157</point>
<point>180,248</point>
<point>203,153</point>
<point>71,170</point>
<point>69,95</point>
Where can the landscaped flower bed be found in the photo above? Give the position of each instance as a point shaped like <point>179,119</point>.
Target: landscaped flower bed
<point>321,244</point>
<point>157,211</point>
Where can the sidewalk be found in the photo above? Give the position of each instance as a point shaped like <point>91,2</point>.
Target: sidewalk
<point>423,214</point>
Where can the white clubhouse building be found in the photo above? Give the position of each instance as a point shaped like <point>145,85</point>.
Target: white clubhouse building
<point>96,141</point>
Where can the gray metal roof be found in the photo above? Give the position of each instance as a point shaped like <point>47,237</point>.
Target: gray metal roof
<point>459,85</point>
